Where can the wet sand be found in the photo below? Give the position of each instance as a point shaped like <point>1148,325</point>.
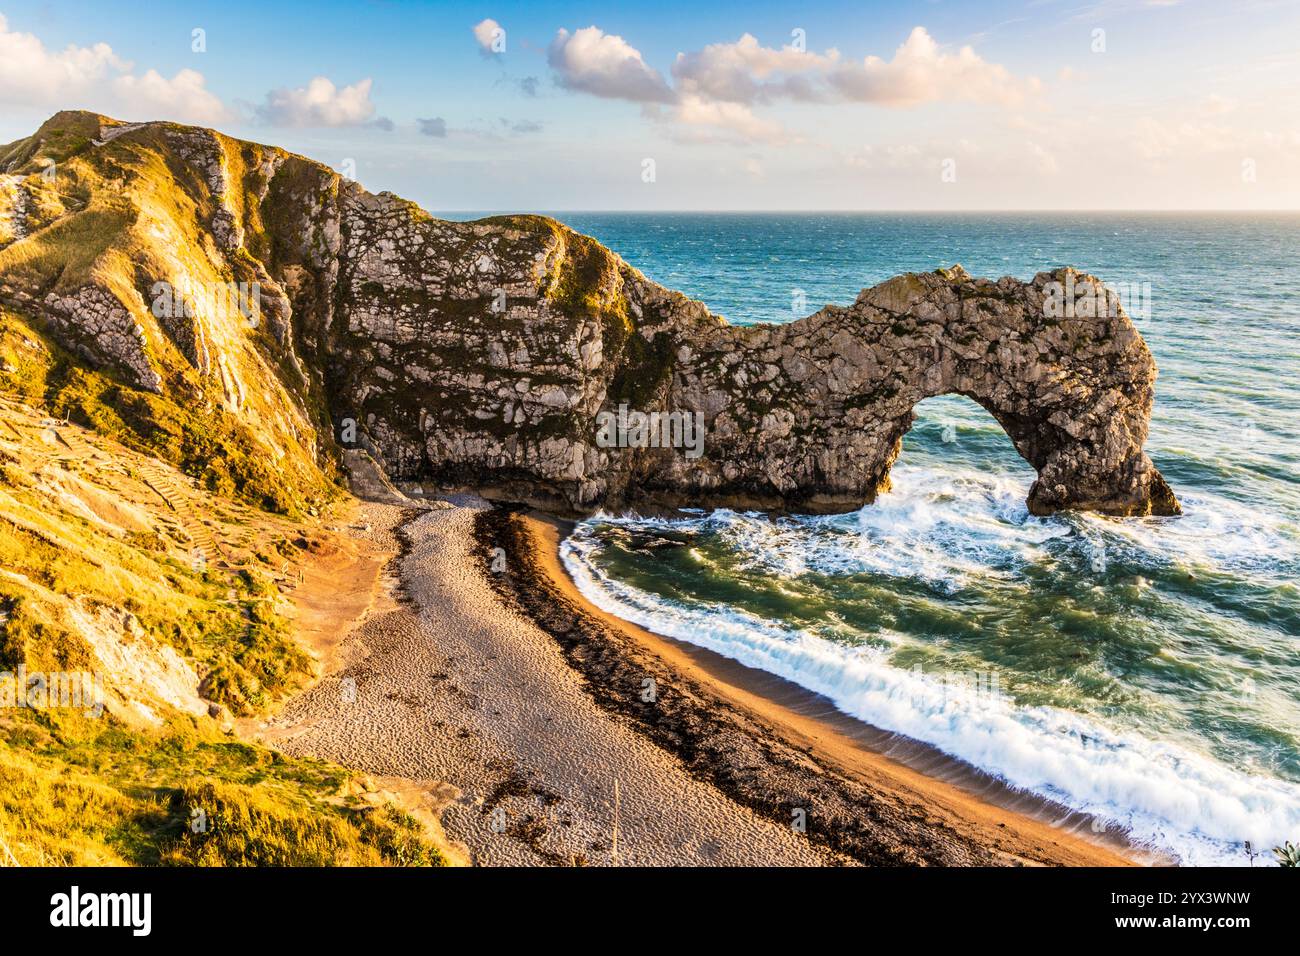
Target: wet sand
<point>774,746</point>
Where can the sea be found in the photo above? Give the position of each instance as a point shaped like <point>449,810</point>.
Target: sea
<point>1144,671</point>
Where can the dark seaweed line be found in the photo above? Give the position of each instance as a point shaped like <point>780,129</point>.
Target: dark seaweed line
<point>717,744</point>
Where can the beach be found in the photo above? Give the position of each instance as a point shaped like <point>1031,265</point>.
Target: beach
<point>518,711</point>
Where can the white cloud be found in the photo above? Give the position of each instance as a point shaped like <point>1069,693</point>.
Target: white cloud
<point>1158,139</point>
<point>29,72</point>
<point>486,32</point>
<point>96,77</point>
<point>914,156</point>
<point>862,157</point>
<point>715,120</point>
<point>319,103</point>
<point>921,72</point>
<point>716,88</point>
<point>605,65</point>
<point>745,71</point>
<point>1114,8</point>
<point>184,95</point>
<point>896,156</point>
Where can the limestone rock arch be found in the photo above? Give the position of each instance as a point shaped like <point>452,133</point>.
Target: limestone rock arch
<point>811,415</point>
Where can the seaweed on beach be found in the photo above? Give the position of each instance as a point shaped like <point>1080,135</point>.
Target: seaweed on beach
<point>722,745</point>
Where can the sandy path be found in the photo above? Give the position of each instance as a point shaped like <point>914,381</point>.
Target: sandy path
<point>454,686</point>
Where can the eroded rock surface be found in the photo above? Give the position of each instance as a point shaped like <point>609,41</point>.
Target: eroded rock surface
<point>813,413</point>
<point>481,354</point>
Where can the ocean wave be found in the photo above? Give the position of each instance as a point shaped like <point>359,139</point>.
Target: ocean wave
<point>954,529</point>
<point>950,528</point>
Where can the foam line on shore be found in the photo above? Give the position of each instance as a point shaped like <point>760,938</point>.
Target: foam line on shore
<point>1162,795</point>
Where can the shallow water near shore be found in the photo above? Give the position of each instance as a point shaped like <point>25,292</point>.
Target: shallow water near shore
<point>1143,670</point>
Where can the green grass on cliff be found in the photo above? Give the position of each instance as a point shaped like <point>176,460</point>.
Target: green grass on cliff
<point>77,790</point>
<point>54,559</point>
<point>211,444</point>
<point>121,216</point>
<point>93,573</point>
<point>81,791</point>
<point>76,793</point>
<point>61,137</point>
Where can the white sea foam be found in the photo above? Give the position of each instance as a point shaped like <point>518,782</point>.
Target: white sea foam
<point>948,529</point>
<point>952,527</point>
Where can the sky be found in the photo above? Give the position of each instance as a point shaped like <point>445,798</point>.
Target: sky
<point>670,105</point>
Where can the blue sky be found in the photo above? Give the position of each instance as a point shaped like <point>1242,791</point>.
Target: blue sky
<point>1113,104</point>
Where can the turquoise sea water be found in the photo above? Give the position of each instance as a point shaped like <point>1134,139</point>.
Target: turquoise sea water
<point>1144,670</point>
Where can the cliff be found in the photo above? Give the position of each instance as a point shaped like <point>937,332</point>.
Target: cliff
<point>483,354</point>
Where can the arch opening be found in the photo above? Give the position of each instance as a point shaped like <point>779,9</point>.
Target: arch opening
<point>953,430</point>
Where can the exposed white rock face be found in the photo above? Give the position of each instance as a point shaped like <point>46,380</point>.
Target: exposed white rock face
<point>109,133</point>
<point>99,327</point>
<point>203,150</point>
<point>143,674</point>
<point>14,209</point>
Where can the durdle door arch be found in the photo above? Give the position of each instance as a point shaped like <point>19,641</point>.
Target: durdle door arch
<point>811,415</point>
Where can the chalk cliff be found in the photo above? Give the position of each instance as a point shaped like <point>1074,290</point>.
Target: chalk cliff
<point>480,354</point>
